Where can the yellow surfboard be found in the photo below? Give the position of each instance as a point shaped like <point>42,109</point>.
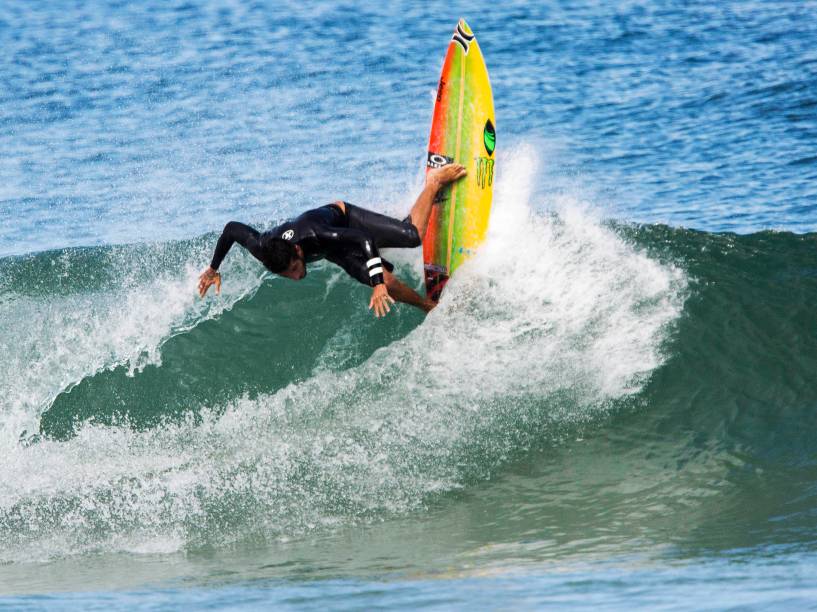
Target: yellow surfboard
<point>463,130</point>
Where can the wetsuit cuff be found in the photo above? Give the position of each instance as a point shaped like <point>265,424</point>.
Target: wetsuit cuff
<point>375,267</point>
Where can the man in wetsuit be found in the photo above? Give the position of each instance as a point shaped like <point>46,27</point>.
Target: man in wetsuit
<point>346,235</point>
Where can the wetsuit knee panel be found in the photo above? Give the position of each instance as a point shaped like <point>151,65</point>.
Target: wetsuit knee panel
<point>413,237</point>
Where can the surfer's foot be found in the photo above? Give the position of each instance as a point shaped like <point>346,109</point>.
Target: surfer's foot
<point>445,174</point>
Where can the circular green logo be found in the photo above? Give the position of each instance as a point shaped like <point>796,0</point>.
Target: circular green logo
<point>489,137</point>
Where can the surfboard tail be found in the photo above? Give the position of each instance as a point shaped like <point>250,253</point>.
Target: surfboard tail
<point>436,277</point>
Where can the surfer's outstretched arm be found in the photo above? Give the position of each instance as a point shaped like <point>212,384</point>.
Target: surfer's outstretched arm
<point>233,232</point>
<point>435,180</point>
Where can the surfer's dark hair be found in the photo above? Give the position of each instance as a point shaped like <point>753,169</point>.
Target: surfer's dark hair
<point>277,253</point>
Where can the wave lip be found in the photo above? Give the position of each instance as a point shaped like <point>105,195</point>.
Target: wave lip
<point>71,314</point>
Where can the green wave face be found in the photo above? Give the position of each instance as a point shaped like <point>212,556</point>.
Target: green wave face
<point>651,364</point>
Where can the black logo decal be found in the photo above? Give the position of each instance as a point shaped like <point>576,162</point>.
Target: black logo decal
<point>461,37</point>
<point>435,160</point>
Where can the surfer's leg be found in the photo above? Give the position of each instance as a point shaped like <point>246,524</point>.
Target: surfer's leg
<point>421,210</point>
<point>436,179</point>
<point>386,231</point>
<point>407,295</point>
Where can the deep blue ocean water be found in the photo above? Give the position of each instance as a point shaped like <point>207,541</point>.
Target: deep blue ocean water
<point>613,406</point>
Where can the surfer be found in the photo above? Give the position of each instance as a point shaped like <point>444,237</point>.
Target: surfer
<point>346,235</point>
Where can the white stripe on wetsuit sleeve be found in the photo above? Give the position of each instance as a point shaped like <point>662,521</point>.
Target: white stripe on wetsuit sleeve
<point>376,271</point>
<point>374,261</point>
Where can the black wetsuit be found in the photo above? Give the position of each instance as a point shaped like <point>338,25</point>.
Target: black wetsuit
<point>350,240</point>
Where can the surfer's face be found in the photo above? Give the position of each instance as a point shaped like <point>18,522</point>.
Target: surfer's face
<point>296,269</point>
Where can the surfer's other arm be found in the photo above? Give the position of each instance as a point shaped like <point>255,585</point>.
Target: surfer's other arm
<point>370,268</point>
<point>341,238</point>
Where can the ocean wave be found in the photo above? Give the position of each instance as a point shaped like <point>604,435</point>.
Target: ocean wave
<point>169,423</point>
<point>337,418</point>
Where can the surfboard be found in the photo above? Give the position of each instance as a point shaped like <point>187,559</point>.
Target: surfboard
<point>463,130</point>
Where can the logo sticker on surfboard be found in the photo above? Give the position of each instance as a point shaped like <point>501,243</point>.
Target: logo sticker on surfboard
<point>435,160</point>
<point>489,137</point>
<point>485,172</point>
<point>463,37</point>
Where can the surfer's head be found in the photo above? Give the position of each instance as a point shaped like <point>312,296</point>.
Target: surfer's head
<point>282,257</point>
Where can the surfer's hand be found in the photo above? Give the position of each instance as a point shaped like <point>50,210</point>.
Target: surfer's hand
<point>207,278</point>
<point>380,300</point>
<point>445,174</point>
